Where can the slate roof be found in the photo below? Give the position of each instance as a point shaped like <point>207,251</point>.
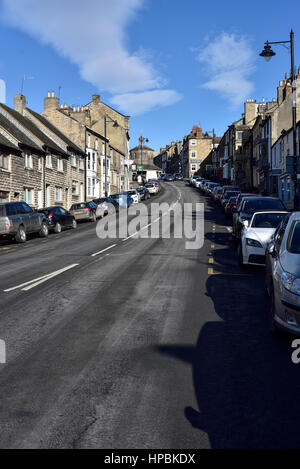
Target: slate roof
<point>29,125</point>
<point>8,144</point>
<point>22,138</point>
<point>55,130</point>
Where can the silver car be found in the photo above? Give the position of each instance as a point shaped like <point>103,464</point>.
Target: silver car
<point>17,219</point>
<point>283,275</point>
<point>87,211</point>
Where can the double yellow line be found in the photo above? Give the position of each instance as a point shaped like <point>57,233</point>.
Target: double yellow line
<point>211,259</point>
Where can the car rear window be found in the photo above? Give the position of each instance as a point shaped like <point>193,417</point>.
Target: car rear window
<point>267,220</point>
<point>263,204</point>
<point>77,206</point>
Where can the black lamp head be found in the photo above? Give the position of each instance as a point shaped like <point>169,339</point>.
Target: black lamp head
<point>267,52</point>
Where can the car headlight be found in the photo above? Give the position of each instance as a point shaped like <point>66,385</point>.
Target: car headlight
<point>291,283</point>
<point>253,243</point>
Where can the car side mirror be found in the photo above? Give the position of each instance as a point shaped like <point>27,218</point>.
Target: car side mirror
<point>246,223</point>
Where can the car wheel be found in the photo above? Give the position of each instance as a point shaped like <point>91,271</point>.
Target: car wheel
<point>57,228</point>
<point>43,233</point>
<point>74,224</point>
<point>21,235</point>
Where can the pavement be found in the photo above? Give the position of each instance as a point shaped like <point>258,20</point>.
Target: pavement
<point>141,343</point>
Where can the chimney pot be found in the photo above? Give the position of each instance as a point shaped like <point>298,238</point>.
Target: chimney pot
<point>52,94</point>
<point>49,94</point>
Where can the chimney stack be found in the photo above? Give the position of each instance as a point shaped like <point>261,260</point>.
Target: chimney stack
<point>51,103</point>
<point>19,103</point>
<point>96,98</point>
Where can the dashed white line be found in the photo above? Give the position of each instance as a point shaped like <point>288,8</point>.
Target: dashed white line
<point>37,281</point>
<point>103,250</point>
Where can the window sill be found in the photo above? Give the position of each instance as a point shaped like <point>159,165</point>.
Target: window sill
<point>5,170</point>
<point>28,169</point>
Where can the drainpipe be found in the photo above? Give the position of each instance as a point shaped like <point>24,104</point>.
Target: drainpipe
<point>85,167</point>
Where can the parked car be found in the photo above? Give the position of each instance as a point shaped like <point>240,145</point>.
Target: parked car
<point>155,181</point>
<point>123,200</point>
<point>283,275</point>
<point>211,186</point>
<point>134,194</point>
<point>196,182</point>
<point>217,194</point>
<point>169,177</point>
<point>178,177</point>
<point>144,193</point>
<point>58,218</point>
<point>227,196</point>
<point>162,176</point>
<point>229,205</point>
<point>109,205</point>
<point>256,234</point>
<point>18,219</point>
<point>192,178</point>
<point>87,211</point>
<point>250,205</point>
<point>151,188</point>
<point>230,188</point>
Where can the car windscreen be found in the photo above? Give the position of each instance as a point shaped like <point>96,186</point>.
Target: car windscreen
<point>77,206</point>
<point>267,220</point>
<point>262,204</point>
<point>294,244</point>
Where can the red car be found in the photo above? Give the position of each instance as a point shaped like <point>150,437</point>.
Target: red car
<point>229,206</point>
<point>218,195</point>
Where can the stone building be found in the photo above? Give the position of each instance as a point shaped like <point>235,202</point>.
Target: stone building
<point>86,126</point>
<point>196,146</point>
<point>142,155</point>
<point>39,164</point>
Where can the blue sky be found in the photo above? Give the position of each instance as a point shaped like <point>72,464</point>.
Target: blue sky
<point>168,63</point>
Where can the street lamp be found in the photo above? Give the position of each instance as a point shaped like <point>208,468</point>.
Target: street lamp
<point>267,54</point>
<point>115,124</point>
<point>142,140</point>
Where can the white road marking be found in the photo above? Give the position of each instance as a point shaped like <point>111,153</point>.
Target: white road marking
<point>36,281</point>
<point>103,250</point>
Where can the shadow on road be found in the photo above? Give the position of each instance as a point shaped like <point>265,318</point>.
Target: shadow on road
<point>247,388</point>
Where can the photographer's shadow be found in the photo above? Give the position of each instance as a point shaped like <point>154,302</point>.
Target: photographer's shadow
<point>247,388</point>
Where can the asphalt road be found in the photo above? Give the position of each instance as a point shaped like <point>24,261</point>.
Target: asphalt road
<point>144,345</point>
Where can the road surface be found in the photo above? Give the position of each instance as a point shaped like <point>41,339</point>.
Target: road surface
<point>143,345</point>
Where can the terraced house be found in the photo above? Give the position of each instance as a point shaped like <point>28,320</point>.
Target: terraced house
<point>103,133</point>
<point>38,163</point>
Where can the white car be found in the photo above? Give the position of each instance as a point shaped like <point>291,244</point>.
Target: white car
<point>133,193</point>
<point>152,188</point>
<point>256,234</point>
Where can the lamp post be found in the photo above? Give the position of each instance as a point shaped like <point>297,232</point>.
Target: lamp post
<point>267,54</point>
<point>142,140</point>
<point>115,124</point>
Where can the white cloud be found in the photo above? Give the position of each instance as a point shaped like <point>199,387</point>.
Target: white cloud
<point>92,35</point>
<point>229,61</point>
<point>136,103</point>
